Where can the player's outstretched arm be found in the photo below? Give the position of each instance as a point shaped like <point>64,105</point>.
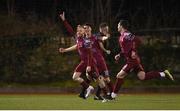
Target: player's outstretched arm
<point>103,48</point>
<point>62,16</point>
<point>72,48</point>
<point>66,24</point>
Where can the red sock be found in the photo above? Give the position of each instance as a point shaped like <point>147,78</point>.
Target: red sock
<point>117,86</point>
<point>84,84</point>
<point>152,74</point>
<point>110,86</point>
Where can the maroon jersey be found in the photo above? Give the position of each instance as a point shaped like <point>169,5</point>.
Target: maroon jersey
<point>95,48</point>
<point>98,59</point>
<point>126,41</point>
<point>69,28</point>
<point>82,50</point>
<point>98,35</point>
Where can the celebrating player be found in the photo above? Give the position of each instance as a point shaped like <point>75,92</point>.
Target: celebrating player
<point>129,51</point>
<point>102,66</point>
<point>83,52</point>
<point>84,46</point>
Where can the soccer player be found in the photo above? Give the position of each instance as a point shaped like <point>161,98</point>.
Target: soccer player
<point>97,54</point>
<point>83,52</point>
<point>129,51</point>
<point>103,35</point>
<point>84,48</point>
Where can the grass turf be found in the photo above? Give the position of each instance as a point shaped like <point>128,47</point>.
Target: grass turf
<point>73,102</point>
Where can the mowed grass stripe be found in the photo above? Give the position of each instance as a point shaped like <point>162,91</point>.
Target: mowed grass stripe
<point>125,101</point>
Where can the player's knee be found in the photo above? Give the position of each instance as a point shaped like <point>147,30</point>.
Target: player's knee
<point>78,79</point>
<point>101,81</point>
<point>75,77</point>
<point>120,75</point>
<point>100,78</point>
<point>141,76</point>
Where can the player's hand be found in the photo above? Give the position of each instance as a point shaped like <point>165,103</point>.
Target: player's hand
<point>108,52</point>
<point>105,37</point>
<point>108,35</point>
<point>62,16</point>
<point>61,50</point>
<point>117,57</point>
<point>88,69</point>
<point>133,55</point>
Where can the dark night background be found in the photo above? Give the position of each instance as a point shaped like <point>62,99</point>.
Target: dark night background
<point>31,33</point>
<point>143,14</point>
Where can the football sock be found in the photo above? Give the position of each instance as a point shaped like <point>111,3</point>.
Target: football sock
<point>152,74</point>
<point>117,86</point>
<point>110,86</point>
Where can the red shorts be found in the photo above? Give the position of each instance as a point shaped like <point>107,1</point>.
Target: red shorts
<point>132,66</point>
<point>82,68</point>
<point>102,67</point>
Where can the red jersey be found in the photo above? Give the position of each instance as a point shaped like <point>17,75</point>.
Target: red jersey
<point>97,57</point>
<point>127,43</point>
<point>81,44</point>
<point>69,28</point>
<point>95,48</point>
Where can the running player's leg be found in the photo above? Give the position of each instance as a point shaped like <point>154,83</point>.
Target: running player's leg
<point>152,74</point>
<point>76,77</point>
<point>105,73</point>
<point>108,81</point>
<point>119,81</point>
<point>83,90</point>
<point>102,84</point>
<point>120,78</point>
<point>100,80</point>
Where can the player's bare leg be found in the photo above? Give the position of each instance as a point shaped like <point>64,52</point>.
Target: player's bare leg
<point>119,81</point>
<point>108,83</point>
<point>102,84</point>
<point>76,77</point>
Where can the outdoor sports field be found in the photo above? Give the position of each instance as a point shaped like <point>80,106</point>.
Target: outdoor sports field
<point>71,102</point>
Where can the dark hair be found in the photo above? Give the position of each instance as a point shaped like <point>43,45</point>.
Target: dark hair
<point>124,23</point>
<point>102,25</point>
<point>88,24</point>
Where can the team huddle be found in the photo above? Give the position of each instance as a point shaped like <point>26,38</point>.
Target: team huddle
<point>91,51</point>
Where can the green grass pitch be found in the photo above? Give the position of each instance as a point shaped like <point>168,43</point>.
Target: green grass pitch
<point>73,102</point>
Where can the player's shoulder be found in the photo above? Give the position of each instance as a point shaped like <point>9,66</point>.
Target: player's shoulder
<point>98,36</point>
<point>128,35</point>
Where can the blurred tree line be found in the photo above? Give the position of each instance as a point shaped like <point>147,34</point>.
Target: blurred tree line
<point>31,33</point>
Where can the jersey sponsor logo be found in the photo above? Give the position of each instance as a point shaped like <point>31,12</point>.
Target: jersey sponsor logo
<point>128,36</point>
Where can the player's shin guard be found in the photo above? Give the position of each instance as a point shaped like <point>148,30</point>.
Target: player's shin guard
<point>152,75</point>
<point>118,84</point>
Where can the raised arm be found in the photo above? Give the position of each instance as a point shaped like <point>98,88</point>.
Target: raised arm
<point>66,24</point>
<point>72,48</point>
